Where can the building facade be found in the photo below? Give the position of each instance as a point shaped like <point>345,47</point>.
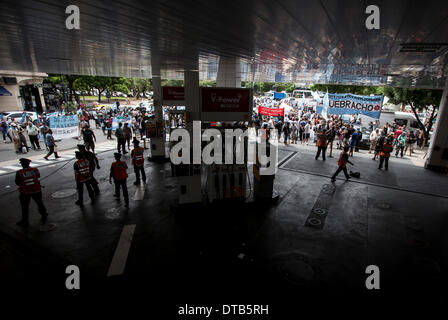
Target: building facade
<point>21,90</point>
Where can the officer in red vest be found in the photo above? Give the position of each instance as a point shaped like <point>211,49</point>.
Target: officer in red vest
<point>322,143</point>
<point>342,165</point>
<point>118,171</point>
<point>29,187</point>
<point>138,160</point>
<point>83,176</point>
<point>386,149</point>
<point>94,163</point>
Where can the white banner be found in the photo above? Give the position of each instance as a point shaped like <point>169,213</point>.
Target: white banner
<point>64,127</point>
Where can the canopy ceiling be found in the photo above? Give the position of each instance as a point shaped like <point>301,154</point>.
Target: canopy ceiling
<point>283,40</point>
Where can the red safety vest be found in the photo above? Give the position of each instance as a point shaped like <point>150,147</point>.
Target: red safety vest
<point>119,170</point>
<point>343,158</point>
<point>138,158</point>
<point>29,180</point>
<point>83,174</point>
<point>322,140</point>
<point>386,150</point>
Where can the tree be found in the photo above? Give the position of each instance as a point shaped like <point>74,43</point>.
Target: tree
<point>68,80</point>
<point>103,83</point>
<point>207,83</point>
<point>172,83</point>
<point>419,100</point>
<point>335,88</point>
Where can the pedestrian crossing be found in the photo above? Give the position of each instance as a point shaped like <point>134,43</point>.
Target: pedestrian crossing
<point>40,162</point>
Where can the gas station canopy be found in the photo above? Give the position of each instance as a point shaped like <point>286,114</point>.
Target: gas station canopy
<point>284,40</point>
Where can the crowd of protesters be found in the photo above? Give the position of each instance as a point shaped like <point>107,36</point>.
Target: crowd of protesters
<point>27,134</point>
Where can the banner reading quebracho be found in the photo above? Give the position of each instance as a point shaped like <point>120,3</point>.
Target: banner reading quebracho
<point>347,103</point>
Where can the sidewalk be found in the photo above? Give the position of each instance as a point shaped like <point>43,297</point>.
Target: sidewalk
<point>9,160</point>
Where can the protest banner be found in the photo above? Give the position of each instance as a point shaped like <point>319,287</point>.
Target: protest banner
<point>347,103</point>
<point>116,121</point>
<point>64,127</point>
<point>271,112</point>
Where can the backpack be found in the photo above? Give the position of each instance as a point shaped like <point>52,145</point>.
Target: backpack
<point>355,174</point>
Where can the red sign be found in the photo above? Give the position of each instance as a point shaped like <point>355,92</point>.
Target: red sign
<point>271,112</point>
<point>225,100</point>
<point>173,93</point>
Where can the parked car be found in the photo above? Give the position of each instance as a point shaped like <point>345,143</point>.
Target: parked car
<point>17,115</point>
<point>364,143</point>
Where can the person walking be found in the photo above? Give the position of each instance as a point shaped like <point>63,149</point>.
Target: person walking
<point>285,132</point>
<point>373,139</point>
<point>120,139</point>
<point>379,144</point>
<point>94,163</point>
<point>400,142</point>
<point>27,179</point>
<point>83,176</point>
<point>118,172</point>
<point>89,138</point>
<point>4,129</point>
<point>14,134</point>
<point>354,141</point>
<point>322,143</point>
<point>108,125</point>
<point>386,149</point>
<point>306,132</point>
<point>44,131</point>
<point>23,141</point>
<point>51,144</point>
<point>33,133</point>
<point>342,165</point>
<point>127,134</point>
<point>138,161</point>
<point>410,141</point>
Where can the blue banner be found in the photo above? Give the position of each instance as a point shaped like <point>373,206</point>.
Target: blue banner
<point>115,122</point>
<point>347,103</point>
<point>64,121</point>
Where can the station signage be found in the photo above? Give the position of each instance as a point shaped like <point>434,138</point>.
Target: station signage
<point>271,112</point>
<point>226,104</point>
<point>173,93</point>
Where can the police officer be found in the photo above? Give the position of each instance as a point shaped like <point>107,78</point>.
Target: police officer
<point>386,149</point>
<point>83,176</point>
<point>342,164</point>
<point>138,160</point>
<point>118,171</point>
<point>94,163</point>
<point>322,143</point>
<point>27,179</point>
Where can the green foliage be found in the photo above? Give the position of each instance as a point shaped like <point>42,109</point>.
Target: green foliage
<point>207,83</point>
<point>334,88</point>
<point>172,83</point>
<point>418,99</point>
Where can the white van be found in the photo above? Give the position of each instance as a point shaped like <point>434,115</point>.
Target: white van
<point>400,118</point>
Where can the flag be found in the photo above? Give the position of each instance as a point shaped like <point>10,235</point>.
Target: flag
<point>303,101</point>
<point>326,102</point>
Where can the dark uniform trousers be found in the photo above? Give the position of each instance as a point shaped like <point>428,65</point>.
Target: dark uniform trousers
<point>138,170</point>
<point>80,187</point>
<point>25,199</point>
<point>340,168</point>
<point>121,144</point>
<point>94,183</point>
<point>319,150</point>
<point>124,187</point>
<point>384,160</point>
